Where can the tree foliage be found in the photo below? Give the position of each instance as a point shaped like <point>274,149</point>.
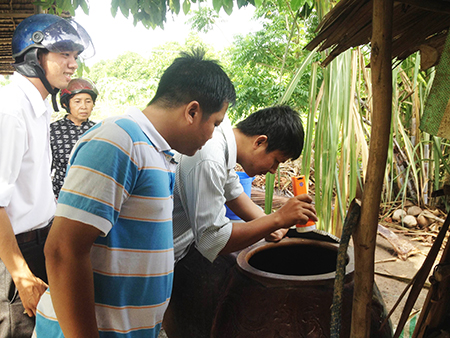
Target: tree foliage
<point>260,64</point>
<point>132,79</point>
<point>151,13</point>
<point>263,63</point>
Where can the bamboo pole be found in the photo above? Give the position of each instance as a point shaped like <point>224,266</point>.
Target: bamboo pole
<point>366,232</point>
<point>437,304</point>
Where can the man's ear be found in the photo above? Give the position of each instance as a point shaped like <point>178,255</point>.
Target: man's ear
<point>193,112</point>
<point>260,140</point>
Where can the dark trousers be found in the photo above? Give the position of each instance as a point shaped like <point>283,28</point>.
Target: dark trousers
<point>13,322</point>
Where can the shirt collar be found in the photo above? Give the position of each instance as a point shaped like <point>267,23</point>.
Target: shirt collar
<point>147,127</point>
<point>227,130</point>
<point>70,121</point>
<point>40,106</point>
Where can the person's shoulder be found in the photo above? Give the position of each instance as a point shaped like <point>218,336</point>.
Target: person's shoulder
<point>116,128</point>
<point>57,123</point>
<point>11,95</point>
<point>132,128</point>
<point>14,103</point>
<point>216,146</point>
<point>213,153</point>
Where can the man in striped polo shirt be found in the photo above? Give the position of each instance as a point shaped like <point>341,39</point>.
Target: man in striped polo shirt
<point>110,251</point>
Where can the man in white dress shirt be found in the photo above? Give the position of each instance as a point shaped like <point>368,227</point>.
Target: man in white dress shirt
<point>206,181</point>
<point>45,48</point>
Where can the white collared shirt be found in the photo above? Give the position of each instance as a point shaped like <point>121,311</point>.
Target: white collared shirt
<point>25,157</point>
<point>204,182</point>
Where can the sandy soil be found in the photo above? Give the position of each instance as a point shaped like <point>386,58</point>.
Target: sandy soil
<point>392,288</point>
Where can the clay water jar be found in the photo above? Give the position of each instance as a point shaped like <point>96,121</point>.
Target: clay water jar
<point>286,290</point>
<point>280,289</point>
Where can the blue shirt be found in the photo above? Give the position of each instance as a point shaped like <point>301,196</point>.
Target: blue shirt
<point>120,180</point>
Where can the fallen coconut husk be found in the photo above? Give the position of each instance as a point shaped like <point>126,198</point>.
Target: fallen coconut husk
<point>403,247</point>
<point>430,215</point>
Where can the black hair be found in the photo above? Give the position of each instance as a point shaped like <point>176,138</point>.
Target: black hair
<point>281,125</point>
<point>193,78</point>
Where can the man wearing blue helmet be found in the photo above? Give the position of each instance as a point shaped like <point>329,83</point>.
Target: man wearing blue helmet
<point>45,48</point>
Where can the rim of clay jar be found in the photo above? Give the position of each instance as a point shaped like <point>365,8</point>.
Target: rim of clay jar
<point>275,279</point>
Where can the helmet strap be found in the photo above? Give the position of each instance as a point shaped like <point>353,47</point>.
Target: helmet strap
<point>52,91</point>
<point>31,67</point>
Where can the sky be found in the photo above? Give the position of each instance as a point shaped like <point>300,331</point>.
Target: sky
<point>114,36</point>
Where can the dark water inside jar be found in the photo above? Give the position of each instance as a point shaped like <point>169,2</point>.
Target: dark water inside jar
<point>296,260</point>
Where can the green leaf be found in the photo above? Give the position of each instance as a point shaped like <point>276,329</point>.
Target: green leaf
<point>186,6</point>
<point>156,14</point>
<point>258,3</point>
<point>124,8</point>
<point>270,181</point>
<point>306,11</point>
<point>228,6</point>
<point>241,3</point>
<point>296,4</point>
<point>114,7</point>
<point>85,7</point>
<point>67,5</point>
<point>217,5</point>
<point>290,89</point>
<point>146,7</point>
<point>133,5</point>
<point>174,6</point>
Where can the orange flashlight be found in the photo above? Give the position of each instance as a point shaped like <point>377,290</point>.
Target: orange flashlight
<point>300,186</point>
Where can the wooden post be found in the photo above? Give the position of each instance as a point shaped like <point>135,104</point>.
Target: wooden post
<point>365,235</point>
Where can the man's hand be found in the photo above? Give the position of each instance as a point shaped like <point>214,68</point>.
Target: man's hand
<point>29,286</point>
<point>276,235</point>
<point>297,210</point>
<point>30,290</point>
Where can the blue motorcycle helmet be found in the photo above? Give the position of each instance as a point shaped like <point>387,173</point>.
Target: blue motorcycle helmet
<point>47,32</point>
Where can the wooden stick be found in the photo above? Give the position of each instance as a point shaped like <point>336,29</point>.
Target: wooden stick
<point>404,279</point>
<point>393,259</point>
<point>366,232</point>
<point>351,220</point>
<point>435,311</point>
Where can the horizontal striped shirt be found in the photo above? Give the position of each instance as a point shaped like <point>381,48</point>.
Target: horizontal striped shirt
<point>120,180</point>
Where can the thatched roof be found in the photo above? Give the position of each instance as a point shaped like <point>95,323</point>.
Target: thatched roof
<point>418,25</point>
<point>12,12</point>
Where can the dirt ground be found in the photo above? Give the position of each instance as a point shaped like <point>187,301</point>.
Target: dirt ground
<point>391,287</point>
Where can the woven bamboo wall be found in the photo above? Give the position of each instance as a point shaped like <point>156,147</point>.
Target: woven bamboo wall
<point>12,12</point>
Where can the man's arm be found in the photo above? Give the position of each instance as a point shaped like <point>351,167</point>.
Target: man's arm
<point>29,286</point>
<point>245,208</point>
<point>297,209</point>
<point>70,276</point>
<point>248,210</point>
